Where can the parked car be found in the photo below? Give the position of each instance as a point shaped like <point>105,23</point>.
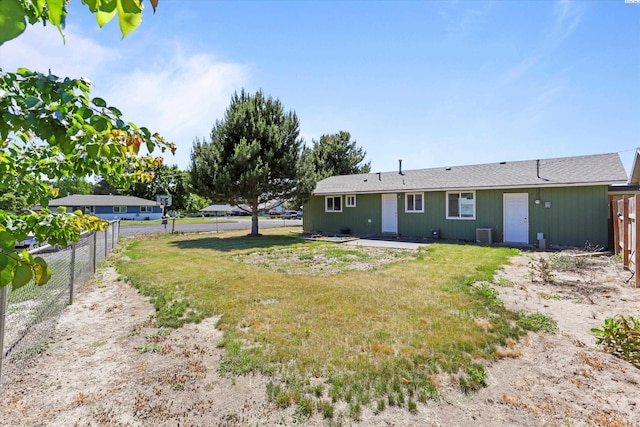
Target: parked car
<point>289,215</point>
<point>239,212</point>
<point>28,243</point>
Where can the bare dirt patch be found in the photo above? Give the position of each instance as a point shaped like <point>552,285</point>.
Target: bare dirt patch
<point>325,260</point>
<point>106,365</point>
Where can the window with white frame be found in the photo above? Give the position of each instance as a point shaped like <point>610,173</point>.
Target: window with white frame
<point>461,205</point>
<point>119,209</point>
<point>414,202</point>
<point>146,209</point>
<point>350,201</point>
<point>333,204</point>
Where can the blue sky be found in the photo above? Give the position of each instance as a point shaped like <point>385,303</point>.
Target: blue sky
<point>435,83</point>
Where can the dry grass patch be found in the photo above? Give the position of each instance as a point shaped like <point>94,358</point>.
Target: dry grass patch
<point>325,259</point>
<point>592,361</point>
<point>505,354</point>
<point>370,337</point>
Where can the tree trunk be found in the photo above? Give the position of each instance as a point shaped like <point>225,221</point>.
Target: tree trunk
<point>254,219</point>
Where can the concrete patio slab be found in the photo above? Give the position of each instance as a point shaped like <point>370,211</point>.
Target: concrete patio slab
<point>385,244</point>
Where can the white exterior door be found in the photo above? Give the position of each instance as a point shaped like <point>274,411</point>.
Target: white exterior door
<point>516,217</point>
<point>389,213</point>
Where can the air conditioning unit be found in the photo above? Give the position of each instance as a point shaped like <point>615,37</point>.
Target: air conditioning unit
<point>484,236</point>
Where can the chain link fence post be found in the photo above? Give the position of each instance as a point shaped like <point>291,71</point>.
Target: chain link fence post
<point>3,311</point>
<point>94,251</point>
<point>73,272</point>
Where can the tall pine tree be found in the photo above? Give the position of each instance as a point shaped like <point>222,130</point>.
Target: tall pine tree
<point>336,154</point>
<point>252,156</point>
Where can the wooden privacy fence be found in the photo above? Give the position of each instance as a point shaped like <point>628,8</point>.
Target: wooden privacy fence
<point>626,232</point>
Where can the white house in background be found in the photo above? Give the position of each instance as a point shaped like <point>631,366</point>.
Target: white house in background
<point>111,207</point>
<point>218,210</point>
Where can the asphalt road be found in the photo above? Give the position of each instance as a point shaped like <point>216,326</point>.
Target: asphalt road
<point>243,224</point>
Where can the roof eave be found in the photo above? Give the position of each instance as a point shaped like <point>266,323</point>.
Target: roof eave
<point>469,188</point>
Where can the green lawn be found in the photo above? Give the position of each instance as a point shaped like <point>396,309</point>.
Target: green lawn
<point>369,338</point>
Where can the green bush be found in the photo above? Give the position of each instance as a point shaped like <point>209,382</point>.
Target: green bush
<point>621,337</point>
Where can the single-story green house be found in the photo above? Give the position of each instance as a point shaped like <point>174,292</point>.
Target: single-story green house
<point>111,207</point>
<point>562,201</point>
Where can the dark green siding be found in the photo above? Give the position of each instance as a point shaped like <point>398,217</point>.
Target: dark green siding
<point>577,215</point>
<point>368,207</point>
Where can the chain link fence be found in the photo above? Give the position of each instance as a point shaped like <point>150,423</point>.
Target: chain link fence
<point>29,314</point>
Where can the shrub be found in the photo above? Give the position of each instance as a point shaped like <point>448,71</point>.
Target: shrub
<point>621,337</point>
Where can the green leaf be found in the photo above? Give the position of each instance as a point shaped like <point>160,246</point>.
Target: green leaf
<point>27,256</point>
<point>39,5</point>
<point>44,201</point>
<point>100,124</point>
<point>4,261</point>
<point>115,111</point>
<point>106,12</point>
<point>56,12</point>
<point>41,270</point>
<point>6,275</point>
<point>7,241</point>
<point>93,150</point>
<point>21,276</point>
<point>99,102</point>
<point>93,4</point>
<point>31,102</point>
<point>12,20</point>
<point>129,15</point>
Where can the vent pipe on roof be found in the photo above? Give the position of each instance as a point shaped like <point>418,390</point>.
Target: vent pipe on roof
<point>538,169</point>
<point>399,166</point>
<point>379,177</point>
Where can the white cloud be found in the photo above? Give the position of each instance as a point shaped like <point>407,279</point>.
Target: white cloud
<point>461,19</point>
<point>539,107</point>
<point>180,98</point>
<point>42,49</point>
<point>515,73</point>
<point>158,85</point>
<point>567,17</point>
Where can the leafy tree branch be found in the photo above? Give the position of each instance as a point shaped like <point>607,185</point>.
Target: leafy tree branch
<point>16,14</point>
<point>51,128</point>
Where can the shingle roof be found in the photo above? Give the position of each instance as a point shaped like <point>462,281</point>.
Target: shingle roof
<point>218,208</point>
<point>598,169</point>
<point>100,200</point>
<point>634,179</point>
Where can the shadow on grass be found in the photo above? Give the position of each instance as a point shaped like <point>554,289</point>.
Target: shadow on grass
<point>236,243</point>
